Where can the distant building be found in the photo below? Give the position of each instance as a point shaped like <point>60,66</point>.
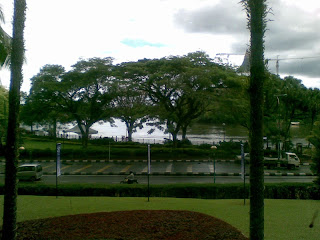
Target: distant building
<point>245,66</point>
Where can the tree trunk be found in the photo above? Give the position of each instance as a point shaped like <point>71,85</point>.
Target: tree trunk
<point>55,129</point>
<point>129,130</point>
<point>174,139</point>
<point>84,129</point>
<point>17,56</point>
<point>85,138</point>
<point>184,133</point>
<point>257,10</point>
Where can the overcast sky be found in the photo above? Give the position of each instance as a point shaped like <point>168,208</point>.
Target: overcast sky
<point>62,31</point>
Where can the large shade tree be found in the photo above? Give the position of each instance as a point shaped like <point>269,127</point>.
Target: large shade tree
<point>85,93</point>
<point>17,55</point>
<point>286,100</point>
<point>313,104</point>
<point>39,106</point>
<point>82,95</point>
<point>130,103</point>
<point>181,88</point>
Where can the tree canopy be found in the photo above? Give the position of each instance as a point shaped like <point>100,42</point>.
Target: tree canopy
<point>170,93</point>
<point>82,95</point>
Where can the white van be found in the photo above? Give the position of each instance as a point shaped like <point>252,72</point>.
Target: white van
<point>30,171</point>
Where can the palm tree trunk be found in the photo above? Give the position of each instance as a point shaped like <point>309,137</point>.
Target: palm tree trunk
<point>257,10</point>
<point>17,56</point>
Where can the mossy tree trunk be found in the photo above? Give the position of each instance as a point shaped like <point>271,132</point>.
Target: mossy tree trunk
<point>17,57</point>
<point>256,11</point>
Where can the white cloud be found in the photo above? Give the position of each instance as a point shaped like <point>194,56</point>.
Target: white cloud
<point>62,31</point>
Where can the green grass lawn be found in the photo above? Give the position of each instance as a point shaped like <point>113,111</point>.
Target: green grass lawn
<point>284,219</point>
<point>49,144</point>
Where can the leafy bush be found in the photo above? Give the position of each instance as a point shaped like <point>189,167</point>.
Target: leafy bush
<point>229,145</point>
<point>102,141</point>
<point>205,146</point>
<point>44,147</point>
<point>206,191</point>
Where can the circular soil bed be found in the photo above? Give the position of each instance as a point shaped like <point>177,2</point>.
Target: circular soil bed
<point>144,224</point>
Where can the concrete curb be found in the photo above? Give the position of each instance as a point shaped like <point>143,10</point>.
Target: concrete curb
<point>119,161</point>
<point>182,174</point>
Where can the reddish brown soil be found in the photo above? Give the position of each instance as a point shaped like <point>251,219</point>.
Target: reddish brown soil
<point>130,225</point>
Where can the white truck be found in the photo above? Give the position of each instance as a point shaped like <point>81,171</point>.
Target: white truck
<point>290,161</point>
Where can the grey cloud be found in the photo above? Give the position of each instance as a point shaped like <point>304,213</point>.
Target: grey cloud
<point>223,18</point>
<point>303,67</point>
<point>291,42</point>
<point>291,32</point>
<point>290,28</point>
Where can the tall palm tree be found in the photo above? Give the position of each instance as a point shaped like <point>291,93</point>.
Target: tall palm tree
<point>256,12</point>
<point>17,57</point>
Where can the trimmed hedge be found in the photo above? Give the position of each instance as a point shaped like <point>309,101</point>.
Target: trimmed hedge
<point>99,149</point>
<point>205,191</point>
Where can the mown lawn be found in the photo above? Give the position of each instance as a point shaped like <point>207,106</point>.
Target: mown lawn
<point>284,219</point>
<point>48,144</point>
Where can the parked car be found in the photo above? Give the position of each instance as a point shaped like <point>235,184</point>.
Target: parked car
<point>246,157</point>
<point>30,171</point>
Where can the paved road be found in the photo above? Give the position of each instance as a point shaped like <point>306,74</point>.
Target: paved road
<point>163,172</point>
<point>206,168</point>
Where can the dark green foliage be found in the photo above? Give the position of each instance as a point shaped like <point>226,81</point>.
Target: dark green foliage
<point>315,140</point>
<point>81,95</point>
<point>3,113</point>
<point>205,191</point>
<point>231,146</point>
<point>102,141</point>
<point>99,149</point>
<point>182,88</point>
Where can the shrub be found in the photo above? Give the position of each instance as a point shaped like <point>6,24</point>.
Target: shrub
<point>101,141</point>
<point>206,191</point>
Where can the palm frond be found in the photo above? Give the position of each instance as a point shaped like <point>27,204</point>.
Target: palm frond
<point>5,48</point>
<point>2,19</point>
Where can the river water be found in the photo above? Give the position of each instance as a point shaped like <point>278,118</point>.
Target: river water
<point>197,134</point>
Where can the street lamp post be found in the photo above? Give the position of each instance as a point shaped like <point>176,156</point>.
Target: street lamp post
<point>214,163</point>
<point>224,131</point>
<point>278,101</point>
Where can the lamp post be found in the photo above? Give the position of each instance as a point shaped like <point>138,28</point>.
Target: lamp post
<point>224,131</point>
<point>278,102</point>
<point>214,163</point>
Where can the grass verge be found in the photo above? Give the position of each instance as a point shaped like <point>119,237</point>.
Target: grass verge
<point>284,219</point>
